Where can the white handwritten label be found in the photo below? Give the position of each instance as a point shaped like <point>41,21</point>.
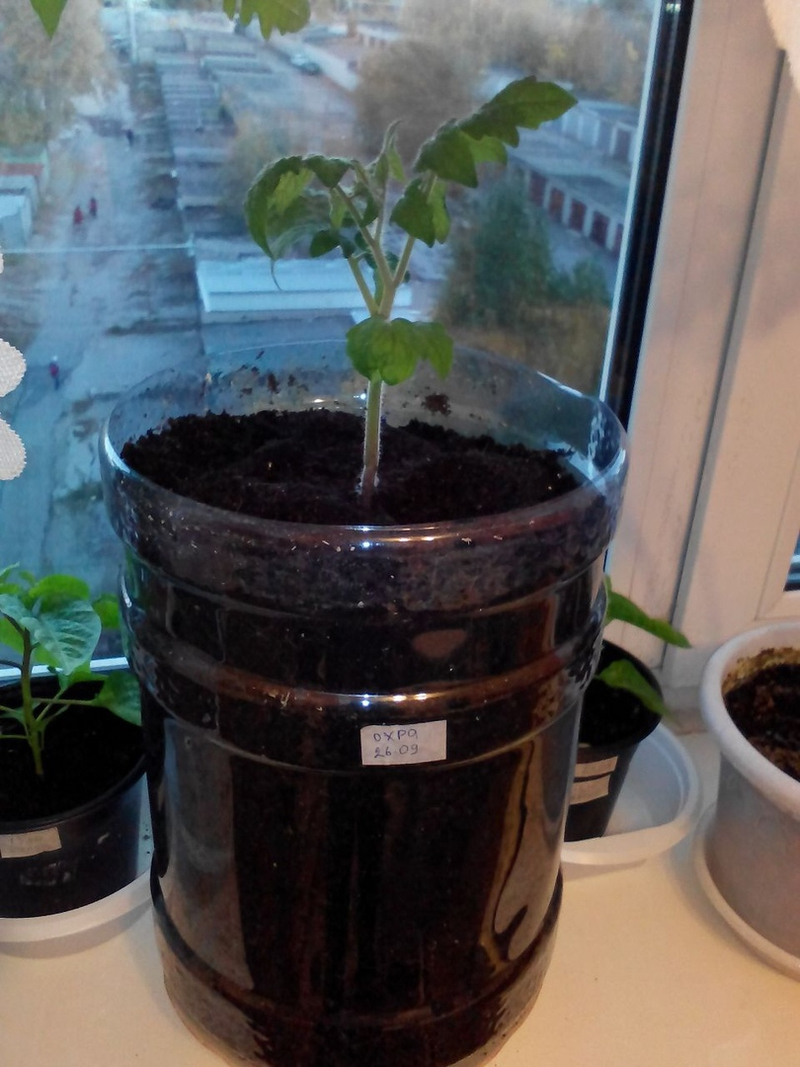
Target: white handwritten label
<point>414,742</point>
<point>18,846</point>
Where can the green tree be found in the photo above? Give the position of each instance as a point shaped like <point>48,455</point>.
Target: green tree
<point>416,82</point>
<point>501,261</point>
<point>503,291</point>
<point>40,77</point>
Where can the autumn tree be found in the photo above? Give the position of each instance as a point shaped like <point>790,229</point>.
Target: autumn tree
<point>39,77</point>
<point>416,82</point>
<point>256,142</point>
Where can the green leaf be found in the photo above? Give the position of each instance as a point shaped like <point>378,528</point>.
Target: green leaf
<point>381,349</point>
<point>120,694</point>
<point>328,169</point>
<point>281,210</point>
<point>388,163</point>
<point>14,608</point>
<point>423,215</point>
<point>49,12</point>
<point>6,573</point>
<point>622,674</point>
<point>107,607</point>
<point>58,586</point>
<point>454,149</point>
<point>414,213</point>
<point>391,350</point>
<point>285,16</point>
<point>324,241</point>
<point>525,103</point>
<point>448,155</point>
<point>67,632</point>
<point>434,344</point>
<point>620,608</point>
<point>441,216</point>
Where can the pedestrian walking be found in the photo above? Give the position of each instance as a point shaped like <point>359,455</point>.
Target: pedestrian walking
<point>55,372</point>
<point>77,216</point>
<point>93,208</point>
<point>130,136</point>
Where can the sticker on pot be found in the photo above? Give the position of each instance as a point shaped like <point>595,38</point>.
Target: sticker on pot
<point>589,789</point>
<point>596,767</point>
<point>415,742</point>
<point>19,846</point>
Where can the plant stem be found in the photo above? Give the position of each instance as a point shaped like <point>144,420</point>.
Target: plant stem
<point>372,440</point>
<point>29,718</point>
<point>366,295</point>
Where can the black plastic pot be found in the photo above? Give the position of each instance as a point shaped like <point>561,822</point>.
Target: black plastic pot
<point>613,725</point>
<point>57,863</point>
<point>360,739</point>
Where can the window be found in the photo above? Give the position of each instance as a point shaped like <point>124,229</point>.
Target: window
<point>126,147</point>
<point>713,503</point>
<point>169,111</point>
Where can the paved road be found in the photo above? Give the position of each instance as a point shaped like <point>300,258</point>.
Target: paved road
<point>97,291</point>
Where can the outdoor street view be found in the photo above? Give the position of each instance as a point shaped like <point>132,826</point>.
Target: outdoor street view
<point>127,145</point>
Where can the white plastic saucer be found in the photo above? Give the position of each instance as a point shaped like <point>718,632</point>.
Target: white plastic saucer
<point>772,954</point>
<point>101,918</point>
<point>657,807</point>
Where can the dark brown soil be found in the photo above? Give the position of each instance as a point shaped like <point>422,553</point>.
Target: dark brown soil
<point>766,709</point>
<point>609,715</point>
<point>305,466</point>
<point>87,751</point>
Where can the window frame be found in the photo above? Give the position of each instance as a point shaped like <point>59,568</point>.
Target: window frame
<point>677,551</point>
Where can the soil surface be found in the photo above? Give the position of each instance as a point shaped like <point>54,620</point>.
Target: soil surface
<point>305,466</point>
<point>87,751</point>
<point>766,709</point>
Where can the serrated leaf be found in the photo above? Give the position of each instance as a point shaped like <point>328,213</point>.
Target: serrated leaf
<point>454,149</point>
<point>391,350</point>
<point>489,150</point>
<point>434,344</point>
<point>622,674</point>
<point>328,169</point>
<point>285,16</point>
<point>414,213</point>
<point>120,694</point>
<point>388,163</point>
<point>620,609</point>
<point>381,349</point>
<point>441,216</point>
<point>525,103</point>
<point>448,155</point>
<point>49,12</point>
<point>280,208</point>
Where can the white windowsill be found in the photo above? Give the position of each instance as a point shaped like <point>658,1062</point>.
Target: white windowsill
<point>644,974</point>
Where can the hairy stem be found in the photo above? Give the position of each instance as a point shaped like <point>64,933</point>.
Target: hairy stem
<point>372,440</point>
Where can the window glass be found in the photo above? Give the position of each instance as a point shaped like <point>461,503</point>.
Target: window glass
<point>126,147</point>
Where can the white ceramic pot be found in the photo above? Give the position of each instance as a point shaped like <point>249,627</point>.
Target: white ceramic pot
<point>752,843</point>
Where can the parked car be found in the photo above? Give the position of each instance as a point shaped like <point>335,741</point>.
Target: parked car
<point>304,62</point>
